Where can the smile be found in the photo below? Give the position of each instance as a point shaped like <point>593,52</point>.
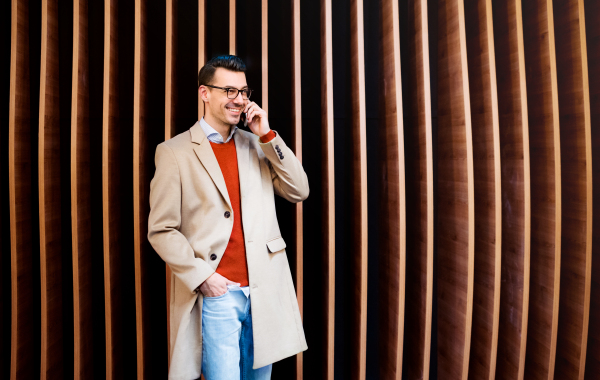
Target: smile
<point>234,110</point>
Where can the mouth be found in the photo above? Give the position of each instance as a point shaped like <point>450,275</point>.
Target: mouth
<point>234,111</point>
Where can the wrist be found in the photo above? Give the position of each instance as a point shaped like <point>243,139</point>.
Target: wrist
<point>270,135</point>
<point>264,132</point>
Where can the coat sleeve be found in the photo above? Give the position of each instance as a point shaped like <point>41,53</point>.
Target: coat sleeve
<point>289,178</point>
<point>164,222</point>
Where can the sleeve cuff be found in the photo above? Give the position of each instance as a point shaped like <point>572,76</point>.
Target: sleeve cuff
<point>268,137</point>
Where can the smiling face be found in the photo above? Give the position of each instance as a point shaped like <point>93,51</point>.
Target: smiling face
<point>219,111</point>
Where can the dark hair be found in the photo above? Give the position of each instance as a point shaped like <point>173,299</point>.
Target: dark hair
<point>229,62</point>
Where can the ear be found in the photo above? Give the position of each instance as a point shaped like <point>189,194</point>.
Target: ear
<point>203,92</point>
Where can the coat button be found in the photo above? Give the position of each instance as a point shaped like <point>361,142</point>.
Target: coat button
<point>281,156</point>
<point>213,257</point>
<point>276,147</point>
<point>227,214</point>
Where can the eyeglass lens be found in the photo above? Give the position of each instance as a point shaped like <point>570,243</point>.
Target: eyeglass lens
<point>232,93</point>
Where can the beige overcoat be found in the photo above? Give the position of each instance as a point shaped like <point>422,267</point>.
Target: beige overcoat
<point>188,200</point>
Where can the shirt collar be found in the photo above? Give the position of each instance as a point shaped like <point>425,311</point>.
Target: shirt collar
<point>213,135</point>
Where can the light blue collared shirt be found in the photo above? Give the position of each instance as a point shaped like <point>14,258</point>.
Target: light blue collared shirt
<point>213,135</point>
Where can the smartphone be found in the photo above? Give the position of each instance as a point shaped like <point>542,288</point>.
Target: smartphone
<point>244,118</point>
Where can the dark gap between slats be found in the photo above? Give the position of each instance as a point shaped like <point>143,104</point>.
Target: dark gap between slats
<point>315,279</point>
<point>96,75</point>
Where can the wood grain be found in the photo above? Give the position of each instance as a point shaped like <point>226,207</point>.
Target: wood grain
<point>542,100</point>
<point>81,225</point>
<point>5,255</point>
<point>201,48</point>
<point>419,197</point>
<point>170,57</point>
<point>264,61</point>
<point>575,160</point>
<point>488,206</point>
<point>232,42</point>
<point>24,355</point>
<point>170,104</point>
<point>328,185</point>
<point>455,195</point>
<point>110,196</point>
<point>49,197</point>
<point>515,190</point>
<point>359,245</point>
<point>392,264</point>
<point>140,195</point>
<point>297,144</point>
<point>592,23</point>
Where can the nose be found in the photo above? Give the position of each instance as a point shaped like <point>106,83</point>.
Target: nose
<point>239,99</point>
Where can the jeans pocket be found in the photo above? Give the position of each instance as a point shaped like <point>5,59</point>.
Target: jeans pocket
<point>217,297</point>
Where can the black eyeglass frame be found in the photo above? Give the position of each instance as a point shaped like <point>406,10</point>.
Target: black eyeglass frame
<point>228,89</point>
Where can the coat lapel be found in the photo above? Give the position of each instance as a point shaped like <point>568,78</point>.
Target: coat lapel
<point>209,161</point>
<point>243,160</point>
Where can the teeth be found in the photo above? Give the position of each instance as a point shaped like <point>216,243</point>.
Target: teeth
<point>233,109</point>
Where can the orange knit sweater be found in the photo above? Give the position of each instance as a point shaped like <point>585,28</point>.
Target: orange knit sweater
<point>233,265</point>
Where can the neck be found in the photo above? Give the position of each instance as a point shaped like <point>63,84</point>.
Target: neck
<point>218,126</point>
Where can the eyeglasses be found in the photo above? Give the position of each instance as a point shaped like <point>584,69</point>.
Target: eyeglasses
<point>232,93</point>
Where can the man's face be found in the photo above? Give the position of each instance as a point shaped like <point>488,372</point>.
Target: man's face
<point>221,108</point>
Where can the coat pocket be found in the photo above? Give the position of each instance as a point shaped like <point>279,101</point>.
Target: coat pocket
<point>276,244</point>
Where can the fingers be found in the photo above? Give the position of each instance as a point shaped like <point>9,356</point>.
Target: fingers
<point>217,285</point>
<point>252,109</point>
<point>255,113</point>
<point>249,105</point>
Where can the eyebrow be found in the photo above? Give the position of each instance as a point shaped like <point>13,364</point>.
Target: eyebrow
<point>227,86</point>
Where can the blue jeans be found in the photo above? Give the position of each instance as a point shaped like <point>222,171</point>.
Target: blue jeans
<point>227,343</point>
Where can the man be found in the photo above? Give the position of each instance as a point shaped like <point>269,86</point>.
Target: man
<point>233,307</point>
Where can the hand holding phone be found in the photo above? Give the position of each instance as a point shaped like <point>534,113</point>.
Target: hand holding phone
<point>256,119</point>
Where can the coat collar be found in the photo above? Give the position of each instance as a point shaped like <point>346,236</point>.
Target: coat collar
<point>209,161</point>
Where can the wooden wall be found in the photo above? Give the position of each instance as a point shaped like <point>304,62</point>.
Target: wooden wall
<point>451,147</point>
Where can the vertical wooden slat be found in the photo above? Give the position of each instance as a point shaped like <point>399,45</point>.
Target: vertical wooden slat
<point>486,158</point>
<point>24,354</point>
<point>110,196</point>
<point>592,16</point>
<point>201,49</point>
<point>455,195</point>
<point>359,191</point>
<point>264,27</point>
<point>542,100</point>
<point>328,184</point>
<point>419,197</point>
<point>81,231</point>
<point>573,101</point>
<point>297,143</point>
<point>232,42</point>
<point>140,199</point>
<point>170,102</point>
<point>393,254</point>
<point>49,197</point>
<point>5,256</point>
<point>515,178</point>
